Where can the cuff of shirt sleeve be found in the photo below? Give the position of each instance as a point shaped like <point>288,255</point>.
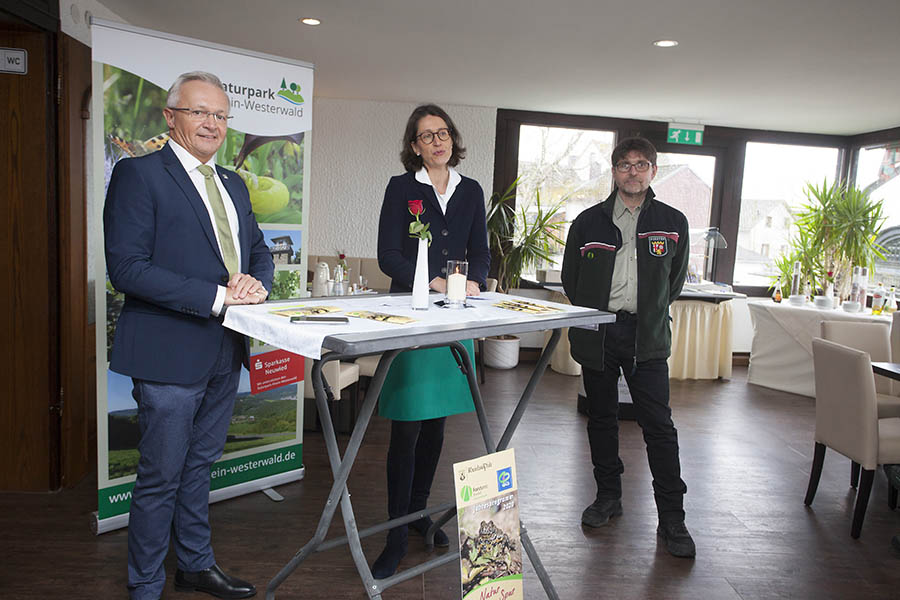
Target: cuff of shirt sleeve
<point>219,302</point>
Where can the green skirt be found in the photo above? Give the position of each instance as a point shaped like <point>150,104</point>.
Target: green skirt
<point>426,384</point>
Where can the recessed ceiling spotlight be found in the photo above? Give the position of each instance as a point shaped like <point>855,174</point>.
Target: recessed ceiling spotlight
<point>665,43</point>
<point>310,21</point>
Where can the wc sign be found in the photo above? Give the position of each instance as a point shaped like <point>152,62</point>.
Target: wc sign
<point>14,60</point>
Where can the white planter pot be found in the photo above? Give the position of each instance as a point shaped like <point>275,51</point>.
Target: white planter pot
<point>501,353</point>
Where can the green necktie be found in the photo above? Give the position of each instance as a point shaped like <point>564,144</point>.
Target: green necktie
<point>222,227</point>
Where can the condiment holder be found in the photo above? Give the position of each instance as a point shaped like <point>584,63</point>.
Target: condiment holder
<point>797,300</point>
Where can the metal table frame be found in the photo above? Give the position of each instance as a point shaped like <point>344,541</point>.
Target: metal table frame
<point>349,346</point>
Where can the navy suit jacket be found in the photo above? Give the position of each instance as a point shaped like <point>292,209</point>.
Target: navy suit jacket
<point>161,252</point>
<point>461,234</point>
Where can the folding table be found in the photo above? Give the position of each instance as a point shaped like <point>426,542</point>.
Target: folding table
<point>432,328</point>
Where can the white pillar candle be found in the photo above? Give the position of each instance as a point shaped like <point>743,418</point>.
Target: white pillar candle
<point>456,287</point>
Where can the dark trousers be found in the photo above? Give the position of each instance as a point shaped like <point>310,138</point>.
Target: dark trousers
<point>648,382</point>
<point>412,460</point>
<point>183,430</point>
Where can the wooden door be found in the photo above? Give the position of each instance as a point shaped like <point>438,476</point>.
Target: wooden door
<point>29,421</point>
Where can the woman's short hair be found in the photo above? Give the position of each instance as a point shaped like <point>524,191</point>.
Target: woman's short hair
<point>175,91</point>
<point>634,144</point>
<point>409,159</point>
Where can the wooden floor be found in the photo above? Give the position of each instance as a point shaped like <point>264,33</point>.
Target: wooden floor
<point>745,454</point>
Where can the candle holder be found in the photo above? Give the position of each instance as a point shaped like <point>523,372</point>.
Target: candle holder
<point>457,273</point>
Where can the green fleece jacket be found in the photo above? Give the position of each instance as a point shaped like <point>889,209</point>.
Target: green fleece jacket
<point>662,262</point>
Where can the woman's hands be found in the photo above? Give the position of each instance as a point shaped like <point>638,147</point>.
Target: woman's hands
<point>439,284</point>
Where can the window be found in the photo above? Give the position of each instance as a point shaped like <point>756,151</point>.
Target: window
<point>877,171</point>
<point>567,166</point>
<point>685,181</point>
<point>755,178</point>
<point>775,176</point>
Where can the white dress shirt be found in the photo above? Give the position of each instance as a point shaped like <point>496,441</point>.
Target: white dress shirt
<point>443,199</point>
<point>190,164</point>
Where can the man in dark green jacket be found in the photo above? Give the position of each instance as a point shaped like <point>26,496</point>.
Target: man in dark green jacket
<point>629,255</point>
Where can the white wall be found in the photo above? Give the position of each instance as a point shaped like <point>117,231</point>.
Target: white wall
<point>355,151</point>
<point>74,18</point>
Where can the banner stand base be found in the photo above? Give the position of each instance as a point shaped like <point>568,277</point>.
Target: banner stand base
<point>272,495</point>
<point>263,485</point>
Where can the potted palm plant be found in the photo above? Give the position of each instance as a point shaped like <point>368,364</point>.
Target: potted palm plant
<point>519,239</point>
<point>836,229</point>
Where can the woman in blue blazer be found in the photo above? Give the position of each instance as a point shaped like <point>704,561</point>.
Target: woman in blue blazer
<point>425,386</point>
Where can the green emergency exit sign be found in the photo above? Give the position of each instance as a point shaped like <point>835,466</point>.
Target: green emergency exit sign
<point>691,135</point>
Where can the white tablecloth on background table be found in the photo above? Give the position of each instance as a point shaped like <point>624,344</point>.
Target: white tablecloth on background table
<point>781,355</point>
<point>701,340</point>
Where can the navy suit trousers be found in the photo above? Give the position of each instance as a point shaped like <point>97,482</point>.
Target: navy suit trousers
<point>183,430</point>
<point>648,383</point>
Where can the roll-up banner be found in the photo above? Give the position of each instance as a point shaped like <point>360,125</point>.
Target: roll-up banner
<point>268,146</point>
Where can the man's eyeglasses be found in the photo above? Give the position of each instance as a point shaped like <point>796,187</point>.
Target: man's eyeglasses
<point>641,166</point>
<point>428,136</point>
<point>201,115</point>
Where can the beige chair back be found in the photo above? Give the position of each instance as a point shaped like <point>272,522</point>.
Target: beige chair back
<point>895,337</point>
<point>491,284</point>
<point>873,338</point>
<point>846,407</point>
<point>338,374</point>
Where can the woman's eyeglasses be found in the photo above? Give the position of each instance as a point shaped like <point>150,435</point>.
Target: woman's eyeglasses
<point>428,136</point>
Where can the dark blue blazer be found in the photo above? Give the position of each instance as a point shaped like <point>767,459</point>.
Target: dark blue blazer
<point>461,234</point>
<point>161,252</point>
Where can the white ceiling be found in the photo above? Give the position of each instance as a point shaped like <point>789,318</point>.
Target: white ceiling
<point>825,66</point>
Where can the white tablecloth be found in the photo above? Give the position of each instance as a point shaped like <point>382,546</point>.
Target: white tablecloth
<point>258,321</point>
<point>701,340</point>
<point>781,355</point>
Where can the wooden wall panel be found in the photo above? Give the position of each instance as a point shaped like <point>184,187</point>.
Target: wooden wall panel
<point>78,422</point>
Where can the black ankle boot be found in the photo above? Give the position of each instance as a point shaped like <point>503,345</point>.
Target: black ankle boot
<point>387,562</point>
<point>421,527</point>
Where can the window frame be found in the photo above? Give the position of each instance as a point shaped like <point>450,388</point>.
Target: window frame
<point>727,144</point>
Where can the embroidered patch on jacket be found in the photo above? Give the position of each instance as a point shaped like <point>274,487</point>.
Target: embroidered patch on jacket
<point>659,241</point>
<point>591,246</point>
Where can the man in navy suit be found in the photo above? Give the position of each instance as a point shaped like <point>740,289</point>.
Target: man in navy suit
<point>182,244</point>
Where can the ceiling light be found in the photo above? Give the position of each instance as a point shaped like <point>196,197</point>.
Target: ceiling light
<point>665,43</point>
<point>310,21</point>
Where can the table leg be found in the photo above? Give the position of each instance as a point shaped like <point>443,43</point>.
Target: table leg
<point>514,420</point>
<point>341,469</point>
<point>341,466</point>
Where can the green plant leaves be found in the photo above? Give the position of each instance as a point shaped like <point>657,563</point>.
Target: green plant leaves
<point>836,228</point>
<point>518,240</point>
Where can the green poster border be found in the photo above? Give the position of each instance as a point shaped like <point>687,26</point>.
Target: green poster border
<point>116,500</point>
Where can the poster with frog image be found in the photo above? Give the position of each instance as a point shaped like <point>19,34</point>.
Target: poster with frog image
<point>490,549</point>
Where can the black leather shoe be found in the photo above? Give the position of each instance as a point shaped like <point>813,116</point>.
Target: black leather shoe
<point>599,513</point>
<point>214,582</point>
<point>421,527</point>
<point>678,539</point>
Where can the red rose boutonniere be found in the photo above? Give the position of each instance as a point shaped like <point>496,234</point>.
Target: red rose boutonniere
<point>418,229</point>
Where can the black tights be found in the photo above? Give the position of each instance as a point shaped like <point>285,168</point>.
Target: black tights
<point>412,460</point>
